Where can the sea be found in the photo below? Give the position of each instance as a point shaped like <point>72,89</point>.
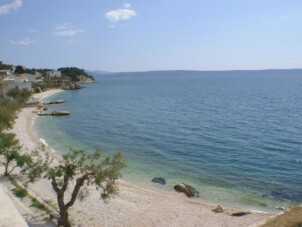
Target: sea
<point>236,136</point>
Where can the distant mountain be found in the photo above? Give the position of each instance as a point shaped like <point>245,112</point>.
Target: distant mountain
<point>265,72</point>
<point>96,72</point>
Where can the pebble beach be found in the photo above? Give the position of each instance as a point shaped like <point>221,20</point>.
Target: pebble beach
<point>134,205</point>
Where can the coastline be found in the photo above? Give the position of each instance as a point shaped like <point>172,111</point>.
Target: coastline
<point>135,205</point>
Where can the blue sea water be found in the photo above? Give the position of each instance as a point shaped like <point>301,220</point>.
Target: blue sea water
<point>235,136</point>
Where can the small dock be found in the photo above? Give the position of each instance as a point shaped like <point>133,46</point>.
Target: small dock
<point>54,102</point>
<point>54,113</point>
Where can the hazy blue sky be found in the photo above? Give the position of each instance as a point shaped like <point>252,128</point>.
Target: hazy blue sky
<point>140,35</point>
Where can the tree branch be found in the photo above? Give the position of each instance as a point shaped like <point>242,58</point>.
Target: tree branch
<point>55,185</point>
<point>76,190</point>
<point>65,184</point>
<point>12,170</point>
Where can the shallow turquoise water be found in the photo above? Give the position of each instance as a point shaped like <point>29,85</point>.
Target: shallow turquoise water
<point>235,136</point>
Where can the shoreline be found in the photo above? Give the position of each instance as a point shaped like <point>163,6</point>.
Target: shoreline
<point>135,205</point>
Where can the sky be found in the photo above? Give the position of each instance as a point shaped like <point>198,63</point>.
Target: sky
<point>137,35</point>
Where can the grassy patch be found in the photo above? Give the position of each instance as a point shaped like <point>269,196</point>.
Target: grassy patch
<point>20,192</point>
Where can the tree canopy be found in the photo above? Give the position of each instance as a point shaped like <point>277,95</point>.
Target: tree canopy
<point>20,70</point>
<point>9,144</point>
<point>5,66</point>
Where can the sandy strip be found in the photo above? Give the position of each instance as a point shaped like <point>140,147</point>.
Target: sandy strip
<point>134,206</point>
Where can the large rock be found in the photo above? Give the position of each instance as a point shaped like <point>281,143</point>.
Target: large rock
<point>218,209</point>
<point>159,180</point>
<point>187,189</point>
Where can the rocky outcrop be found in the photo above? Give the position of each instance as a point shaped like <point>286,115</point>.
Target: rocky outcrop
<point>71,86</point>
<point>187,189</point>
<point>159,180</point>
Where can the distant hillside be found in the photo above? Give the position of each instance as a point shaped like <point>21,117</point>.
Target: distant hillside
<point>97,72</point>
<point>265,72</point>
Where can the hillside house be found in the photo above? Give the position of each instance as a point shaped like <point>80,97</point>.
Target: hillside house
<point>53,74</point>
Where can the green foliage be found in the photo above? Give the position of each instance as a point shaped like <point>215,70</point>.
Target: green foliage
<point>5,66</point>
<point>40,86</point>
<point>7,141</point>
<point>8,110</point>
<point>82,168</point>
<point>10,104</point>
<point>13,155</point>
<point>20,192</point>
<point>6,119</point>
<point>50,83</point>
<point>43,71</point>
<point>19,95</point>
<point>20,70</point>
<point>74,73</point>
<point>9,145</point>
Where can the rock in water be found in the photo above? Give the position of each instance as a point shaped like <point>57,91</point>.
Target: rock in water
<point>187,189</point>
<point>263,204</point>
<point>159,180</point>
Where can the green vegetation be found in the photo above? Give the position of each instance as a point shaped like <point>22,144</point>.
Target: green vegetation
<point>74,73</point>
<point>43,85</point>
<point>19,95</point>
<point>20,192</point>
<point>8,111</point>
<point>9,145</point>
<point>82,168</point>
<point>13,155</point>
<point>20,70</point>
<point>5,66</point>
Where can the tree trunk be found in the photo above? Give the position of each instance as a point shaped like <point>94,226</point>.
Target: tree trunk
<point>6,169</point>
<point>64,218</point>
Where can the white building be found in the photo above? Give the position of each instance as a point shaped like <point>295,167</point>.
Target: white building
<point>53,74</point>
<point>5,73</point>
<point>13,81</point>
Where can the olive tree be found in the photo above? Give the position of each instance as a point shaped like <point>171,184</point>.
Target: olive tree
<point>10,150</point>
<point>78,170</point>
